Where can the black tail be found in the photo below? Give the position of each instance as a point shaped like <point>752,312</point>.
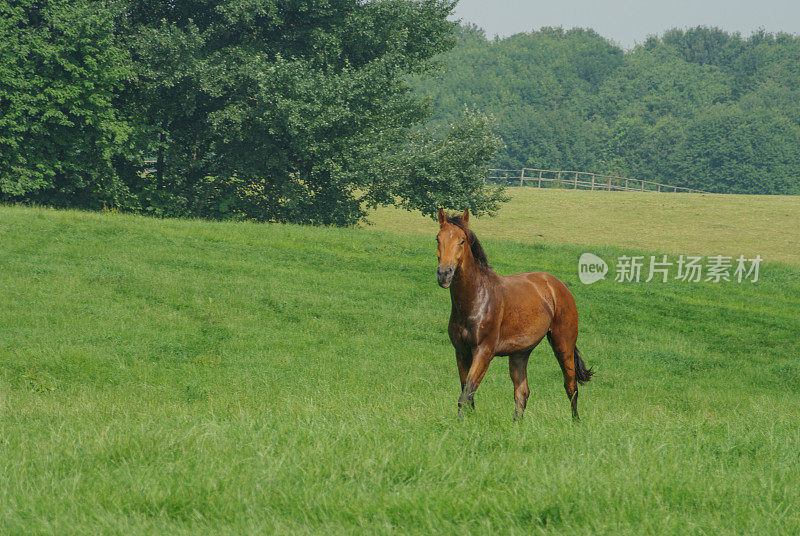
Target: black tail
<point>582,374</point>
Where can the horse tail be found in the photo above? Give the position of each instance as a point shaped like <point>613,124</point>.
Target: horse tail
<point>582,374</point>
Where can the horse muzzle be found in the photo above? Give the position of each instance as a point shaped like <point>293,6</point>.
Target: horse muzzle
<point>444,274</point>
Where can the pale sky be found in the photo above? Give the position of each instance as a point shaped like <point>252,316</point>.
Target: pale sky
<point>627,22</point>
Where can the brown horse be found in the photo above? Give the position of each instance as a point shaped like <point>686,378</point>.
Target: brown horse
<point>494,315</point>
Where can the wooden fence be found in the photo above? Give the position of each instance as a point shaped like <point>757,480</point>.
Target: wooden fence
<point>576,180</point>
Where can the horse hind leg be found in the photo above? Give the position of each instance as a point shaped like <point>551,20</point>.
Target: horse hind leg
<point>518,368</point>
<point>564,350</point>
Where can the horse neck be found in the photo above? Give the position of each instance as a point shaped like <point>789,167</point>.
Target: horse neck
<point>466,284</point>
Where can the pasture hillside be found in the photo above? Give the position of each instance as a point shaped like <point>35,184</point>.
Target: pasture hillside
<point>188,377</point>
<point>705,224</point>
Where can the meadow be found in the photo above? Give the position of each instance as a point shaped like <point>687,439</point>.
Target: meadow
<point>190,377</point>
<point>704,224</point>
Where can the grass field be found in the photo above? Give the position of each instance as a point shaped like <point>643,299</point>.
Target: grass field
<point>705,224</point>
<point>180,377</point>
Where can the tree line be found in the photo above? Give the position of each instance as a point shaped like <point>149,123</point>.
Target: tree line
<point>314,111</point>
<point>699,108</point>
<point>271,110</point>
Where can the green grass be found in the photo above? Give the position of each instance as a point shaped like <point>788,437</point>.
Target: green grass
<point>179,377</point>
<point>706,224</point>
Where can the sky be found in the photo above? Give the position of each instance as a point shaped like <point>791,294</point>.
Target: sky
<point>627,22</point>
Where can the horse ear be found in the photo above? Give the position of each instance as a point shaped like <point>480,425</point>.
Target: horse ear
<point>441,217</point>
<point>465,217</point>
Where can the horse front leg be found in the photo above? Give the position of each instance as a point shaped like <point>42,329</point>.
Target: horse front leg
<point>481,357</point>
<point>464,361</point>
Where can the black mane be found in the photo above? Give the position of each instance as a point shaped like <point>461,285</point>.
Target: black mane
<point>477,249</point>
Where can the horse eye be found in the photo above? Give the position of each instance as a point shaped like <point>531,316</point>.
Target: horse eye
<point>462,241</point>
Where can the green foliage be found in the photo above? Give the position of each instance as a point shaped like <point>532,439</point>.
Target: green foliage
<point>306,111</point>
<point>533,84</point>
<point>271,110</point>
<point>699,108</point>
<point>283,111</point>
<point>60,69</point>
<point>432,172</point>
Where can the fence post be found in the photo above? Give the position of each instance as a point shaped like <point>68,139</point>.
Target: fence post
<point>576,180</point>
<point>643,186</point>
<point>521,176</point>
<point>626,185</point>
<point>540,178</point>
<point>593,182</point>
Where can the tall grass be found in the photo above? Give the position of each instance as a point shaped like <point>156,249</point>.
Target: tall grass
<point>209,378</point>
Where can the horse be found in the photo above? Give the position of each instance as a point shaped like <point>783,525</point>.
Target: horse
<point>494,315</point>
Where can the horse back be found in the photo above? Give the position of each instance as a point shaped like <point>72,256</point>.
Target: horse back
<point>532,301</point>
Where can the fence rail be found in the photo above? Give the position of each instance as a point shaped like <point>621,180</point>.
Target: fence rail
<point>577,180</point>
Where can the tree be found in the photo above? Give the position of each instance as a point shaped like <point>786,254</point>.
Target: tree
<point>296,111</point>
<point>699,108</point>
<point>733,151</point>
<point>59,130</point>
<point>537,85</point>
<point>432,174</point>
